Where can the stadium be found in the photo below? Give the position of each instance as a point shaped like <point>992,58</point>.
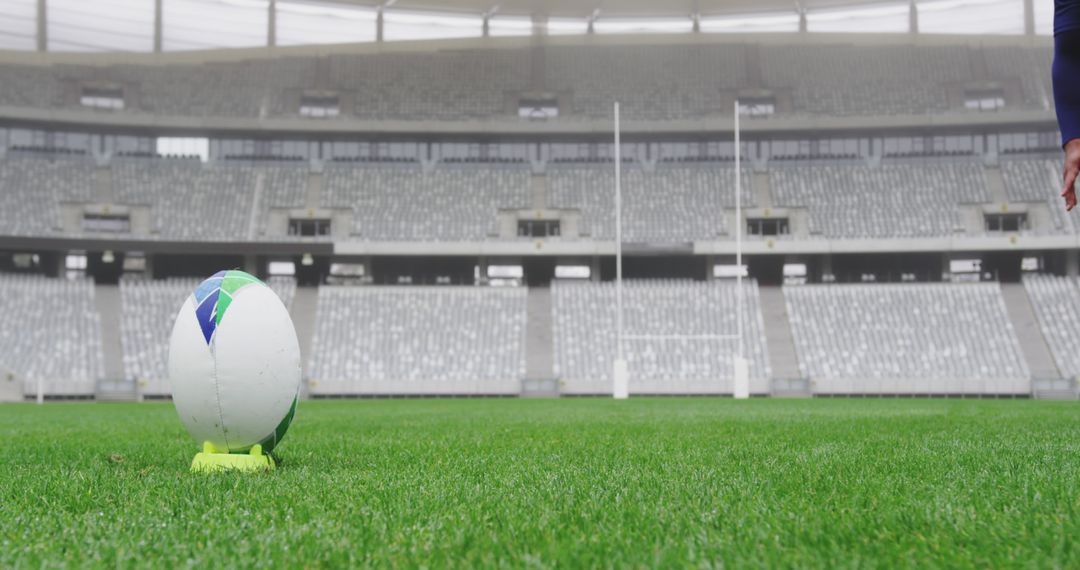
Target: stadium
<point>817,247</point>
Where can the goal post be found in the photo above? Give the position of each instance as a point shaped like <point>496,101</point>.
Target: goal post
<point>620,372</point>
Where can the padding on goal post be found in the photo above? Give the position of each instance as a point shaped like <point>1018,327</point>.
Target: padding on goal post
<point>741,389</point>
<point>620,380</point>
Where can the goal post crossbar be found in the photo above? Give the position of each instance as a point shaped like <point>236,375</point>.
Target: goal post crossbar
<point>673,337</point>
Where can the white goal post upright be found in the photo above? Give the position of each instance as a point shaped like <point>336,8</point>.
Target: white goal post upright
<point>620,372</point>
<point>741,374</point>
<point>620,389</point>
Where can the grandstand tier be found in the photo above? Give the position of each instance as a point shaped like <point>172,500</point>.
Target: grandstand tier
<point>884,339</point>
<point>185,200</point>
<point>418,340</point>
<point>654,81</point>
<point>50,333</point>
<point>906,339</point>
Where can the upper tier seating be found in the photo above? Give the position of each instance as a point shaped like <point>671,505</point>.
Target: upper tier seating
<point>868,80</point>
<point>668,203</point>
<point>283,186</point>
<point>671,204</point>
<point>585,331</point>
<point>1038,180</point>
<point>32,189</point>
<point>929,338</point>
<point>435,85</point>
<point>657,82</point>
<point>650,82</point>
<point>892,200</point>
<point>190,201</point>
<point>1057,306</point>
<point>51,331</point>
<point>1028,65</point>
<point>418,340</point>
<point>405,203</point>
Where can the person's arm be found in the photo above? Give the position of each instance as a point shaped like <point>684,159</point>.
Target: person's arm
<point>1067,100</point>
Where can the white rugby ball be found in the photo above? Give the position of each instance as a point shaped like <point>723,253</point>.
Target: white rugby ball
<point>234,363</point>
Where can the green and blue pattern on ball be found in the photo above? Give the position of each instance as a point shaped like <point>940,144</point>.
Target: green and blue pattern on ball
<point>213,296</point>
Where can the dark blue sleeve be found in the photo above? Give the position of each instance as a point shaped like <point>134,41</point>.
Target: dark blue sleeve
<point>1067,82</point>
<point>1066,15</point>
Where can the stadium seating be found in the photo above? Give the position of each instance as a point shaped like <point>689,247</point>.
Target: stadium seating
<point>1028,65</point>
<point>284,287</point>
<point>899,199</point>
<point>906,339</point>
<point>190,201</point>
<point>149,308</point>
<point>284,186</point>
<point>1037,180</point>
<point>1056,301</point>
<point>585,326</point>
<point>51,331</point>
<point>669,204</point>
<point>650,82</point>
<point>655,82</point>
<point>405,203</point>
<point>890,79</point>
<point>32,189</point>
<point>437,85</point>
<point>418,340</point>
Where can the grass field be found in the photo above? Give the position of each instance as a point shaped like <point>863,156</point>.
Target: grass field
<point>570,483</point>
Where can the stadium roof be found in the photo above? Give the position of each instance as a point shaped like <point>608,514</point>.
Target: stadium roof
<point>136,25</point>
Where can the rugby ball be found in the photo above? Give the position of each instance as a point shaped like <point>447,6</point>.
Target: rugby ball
<point>234,363</point>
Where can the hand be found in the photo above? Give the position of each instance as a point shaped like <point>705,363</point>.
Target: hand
<point>1072,168</point>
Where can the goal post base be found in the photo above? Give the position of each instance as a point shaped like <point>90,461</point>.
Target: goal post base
<point>621,380</point>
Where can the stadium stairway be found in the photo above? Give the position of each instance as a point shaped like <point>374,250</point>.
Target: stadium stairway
<point>1032,342</point>
<point>103,185</point>
<point>539,340</point>
<point>762,187</point>
<point>995,185</point>
<point>302,312</point>
<point>539,191</point>
<point>314,195</point>
<point>108,304</point>
<point>783,360</point>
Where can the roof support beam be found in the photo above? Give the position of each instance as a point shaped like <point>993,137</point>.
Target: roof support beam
<point>801,10</point>
<point>1029,17</point>
<point>913,17</point>
<point>539,24</point>
<point>379,25</point>
<point>42,26</point>
<point>158,6</point>
<point>271,23</point>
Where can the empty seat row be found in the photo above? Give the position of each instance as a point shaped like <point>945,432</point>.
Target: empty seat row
<point>585,327</point>
<point>654,82</point>
<point>1038,180</point>
<point>1056,301</point>
<point>665,204</point>
<point>50,333</point>
<point>418,340</point>
<point>904,199</point>
<point>451,203</point>
<point>912,338</point>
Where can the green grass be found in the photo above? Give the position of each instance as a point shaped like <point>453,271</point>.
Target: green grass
<point>563,483</point>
